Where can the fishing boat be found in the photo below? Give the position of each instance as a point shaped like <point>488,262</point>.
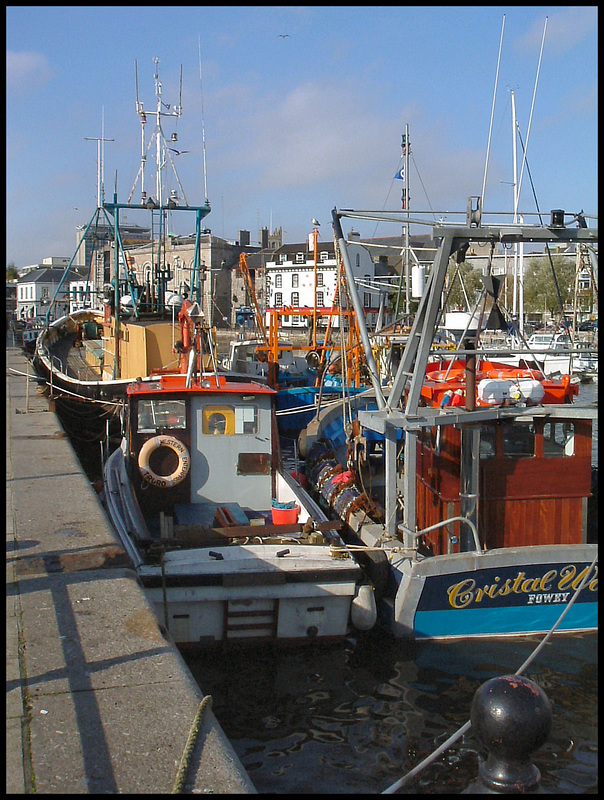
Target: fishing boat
<point>469,480</point>
<point>129,329</point>
<point>555,354</point>
<point>228,546</point>
<point>30,334</point>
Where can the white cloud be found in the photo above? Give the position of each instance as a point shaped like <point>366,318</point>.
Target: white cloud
<point>315,130</point>
<point>565,30</point>
<point>26,70</point>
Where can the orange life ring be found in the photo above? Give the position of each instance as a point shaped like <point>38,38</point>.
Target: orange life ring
<point>510,374</point>
<point>453,376</point>
<point>164,481</point>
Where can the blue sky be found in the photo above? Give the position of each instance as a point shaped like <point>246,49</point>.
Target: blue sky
<point>295,125</point>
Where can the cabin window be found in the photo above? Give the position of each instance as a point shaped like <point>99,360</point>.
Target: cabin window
<point>229,420</point>
<point>558,439</point>
<point>154,414</point>
<point>254,464</point>
<point>487,441</point>
<point>519,440</point>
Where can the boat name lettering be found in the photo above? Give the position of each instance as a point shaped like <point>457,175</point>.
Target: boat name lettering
<point>466,592</point>
<point>554,597</point>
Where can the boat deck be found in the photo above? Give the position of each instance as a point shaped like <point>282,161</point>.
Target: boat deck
<point>79,368</point>
<point>72,359</point>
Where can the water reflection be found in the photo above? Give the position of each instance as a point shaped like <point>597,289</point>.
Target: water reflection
<point>356,717</point>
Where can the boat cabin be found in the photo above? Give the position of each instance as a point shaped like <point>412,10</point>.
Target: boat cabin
<point>210,443</point>
<point>534,481</point>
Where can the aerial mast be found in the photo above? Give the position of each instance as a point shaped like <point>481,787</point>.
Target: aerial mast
<point>163,153</point>
<point>100,192</point>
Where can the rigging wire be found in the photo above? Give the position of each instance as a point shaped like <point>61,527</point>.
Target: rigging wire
<point>547,249</point>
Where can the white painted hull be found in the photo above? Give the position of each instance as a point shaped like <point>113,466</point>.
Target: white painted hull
<point>252,594</point>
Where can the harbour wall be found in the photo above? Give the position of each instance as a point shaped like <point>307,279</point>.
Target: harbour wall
<point>99,700</point>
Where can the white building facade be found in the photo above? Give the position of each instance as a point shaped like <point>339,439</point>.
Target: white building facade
<point>293,281</point>
<point>36,290</point>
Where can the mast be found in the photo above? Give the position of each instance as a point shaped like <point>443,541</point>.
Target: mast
<point>163,155</point>
<point>486,161</point>
<point>100,192</point>
<point>518,296</point>
<point>314,311</point>
<point>406,199</point>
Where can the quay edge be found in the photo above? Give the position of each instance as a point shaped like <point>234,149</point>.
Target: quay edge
<point>98,699</point>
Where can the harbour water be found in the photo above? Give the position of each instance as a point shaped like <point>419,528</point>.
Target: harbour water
<point>356,717</point>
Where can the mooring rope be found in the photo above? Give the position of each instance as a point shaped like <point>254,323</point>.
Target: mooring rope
<point>181,775</point>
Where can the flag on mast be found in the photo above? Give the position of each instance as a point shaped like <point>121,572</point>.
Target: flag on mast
<point>400,175</point>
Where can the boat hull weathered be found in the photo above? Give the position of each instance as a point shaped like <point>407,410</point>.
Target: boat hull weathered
<point>503,592</point>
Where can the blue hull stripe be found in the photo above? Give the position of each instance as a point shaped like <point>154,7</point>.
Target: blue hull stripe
<point>499,621</point>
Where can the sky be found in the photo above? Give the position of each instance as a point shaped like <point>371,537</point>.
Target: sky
<point>290,111</point>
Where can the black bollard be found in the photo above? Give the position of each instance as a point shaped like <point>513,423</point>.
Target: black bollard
<point>511,717</point>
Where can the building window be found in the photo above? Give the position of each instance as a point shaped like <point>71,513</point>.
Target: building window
<point>282,258</point>
<point>366,300</point>
<point>278,281</point>
<point>295,299</point>
<point>299,258</point>
<point>320,279</point>
<point>295,280</point>
<point>278,299</point>
<point>320,300</point>
<point>323,255</point>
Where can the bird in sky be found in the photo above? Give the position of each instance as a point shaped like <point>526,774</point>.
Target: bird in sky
<point>178,152</point>
<point>315,221</point>
<point>284,36</point>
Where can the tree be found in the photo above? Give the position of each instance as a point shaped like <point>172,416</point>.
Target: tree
<point>470,277</point>
<point>11,272</point>
<point>539,285</point>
